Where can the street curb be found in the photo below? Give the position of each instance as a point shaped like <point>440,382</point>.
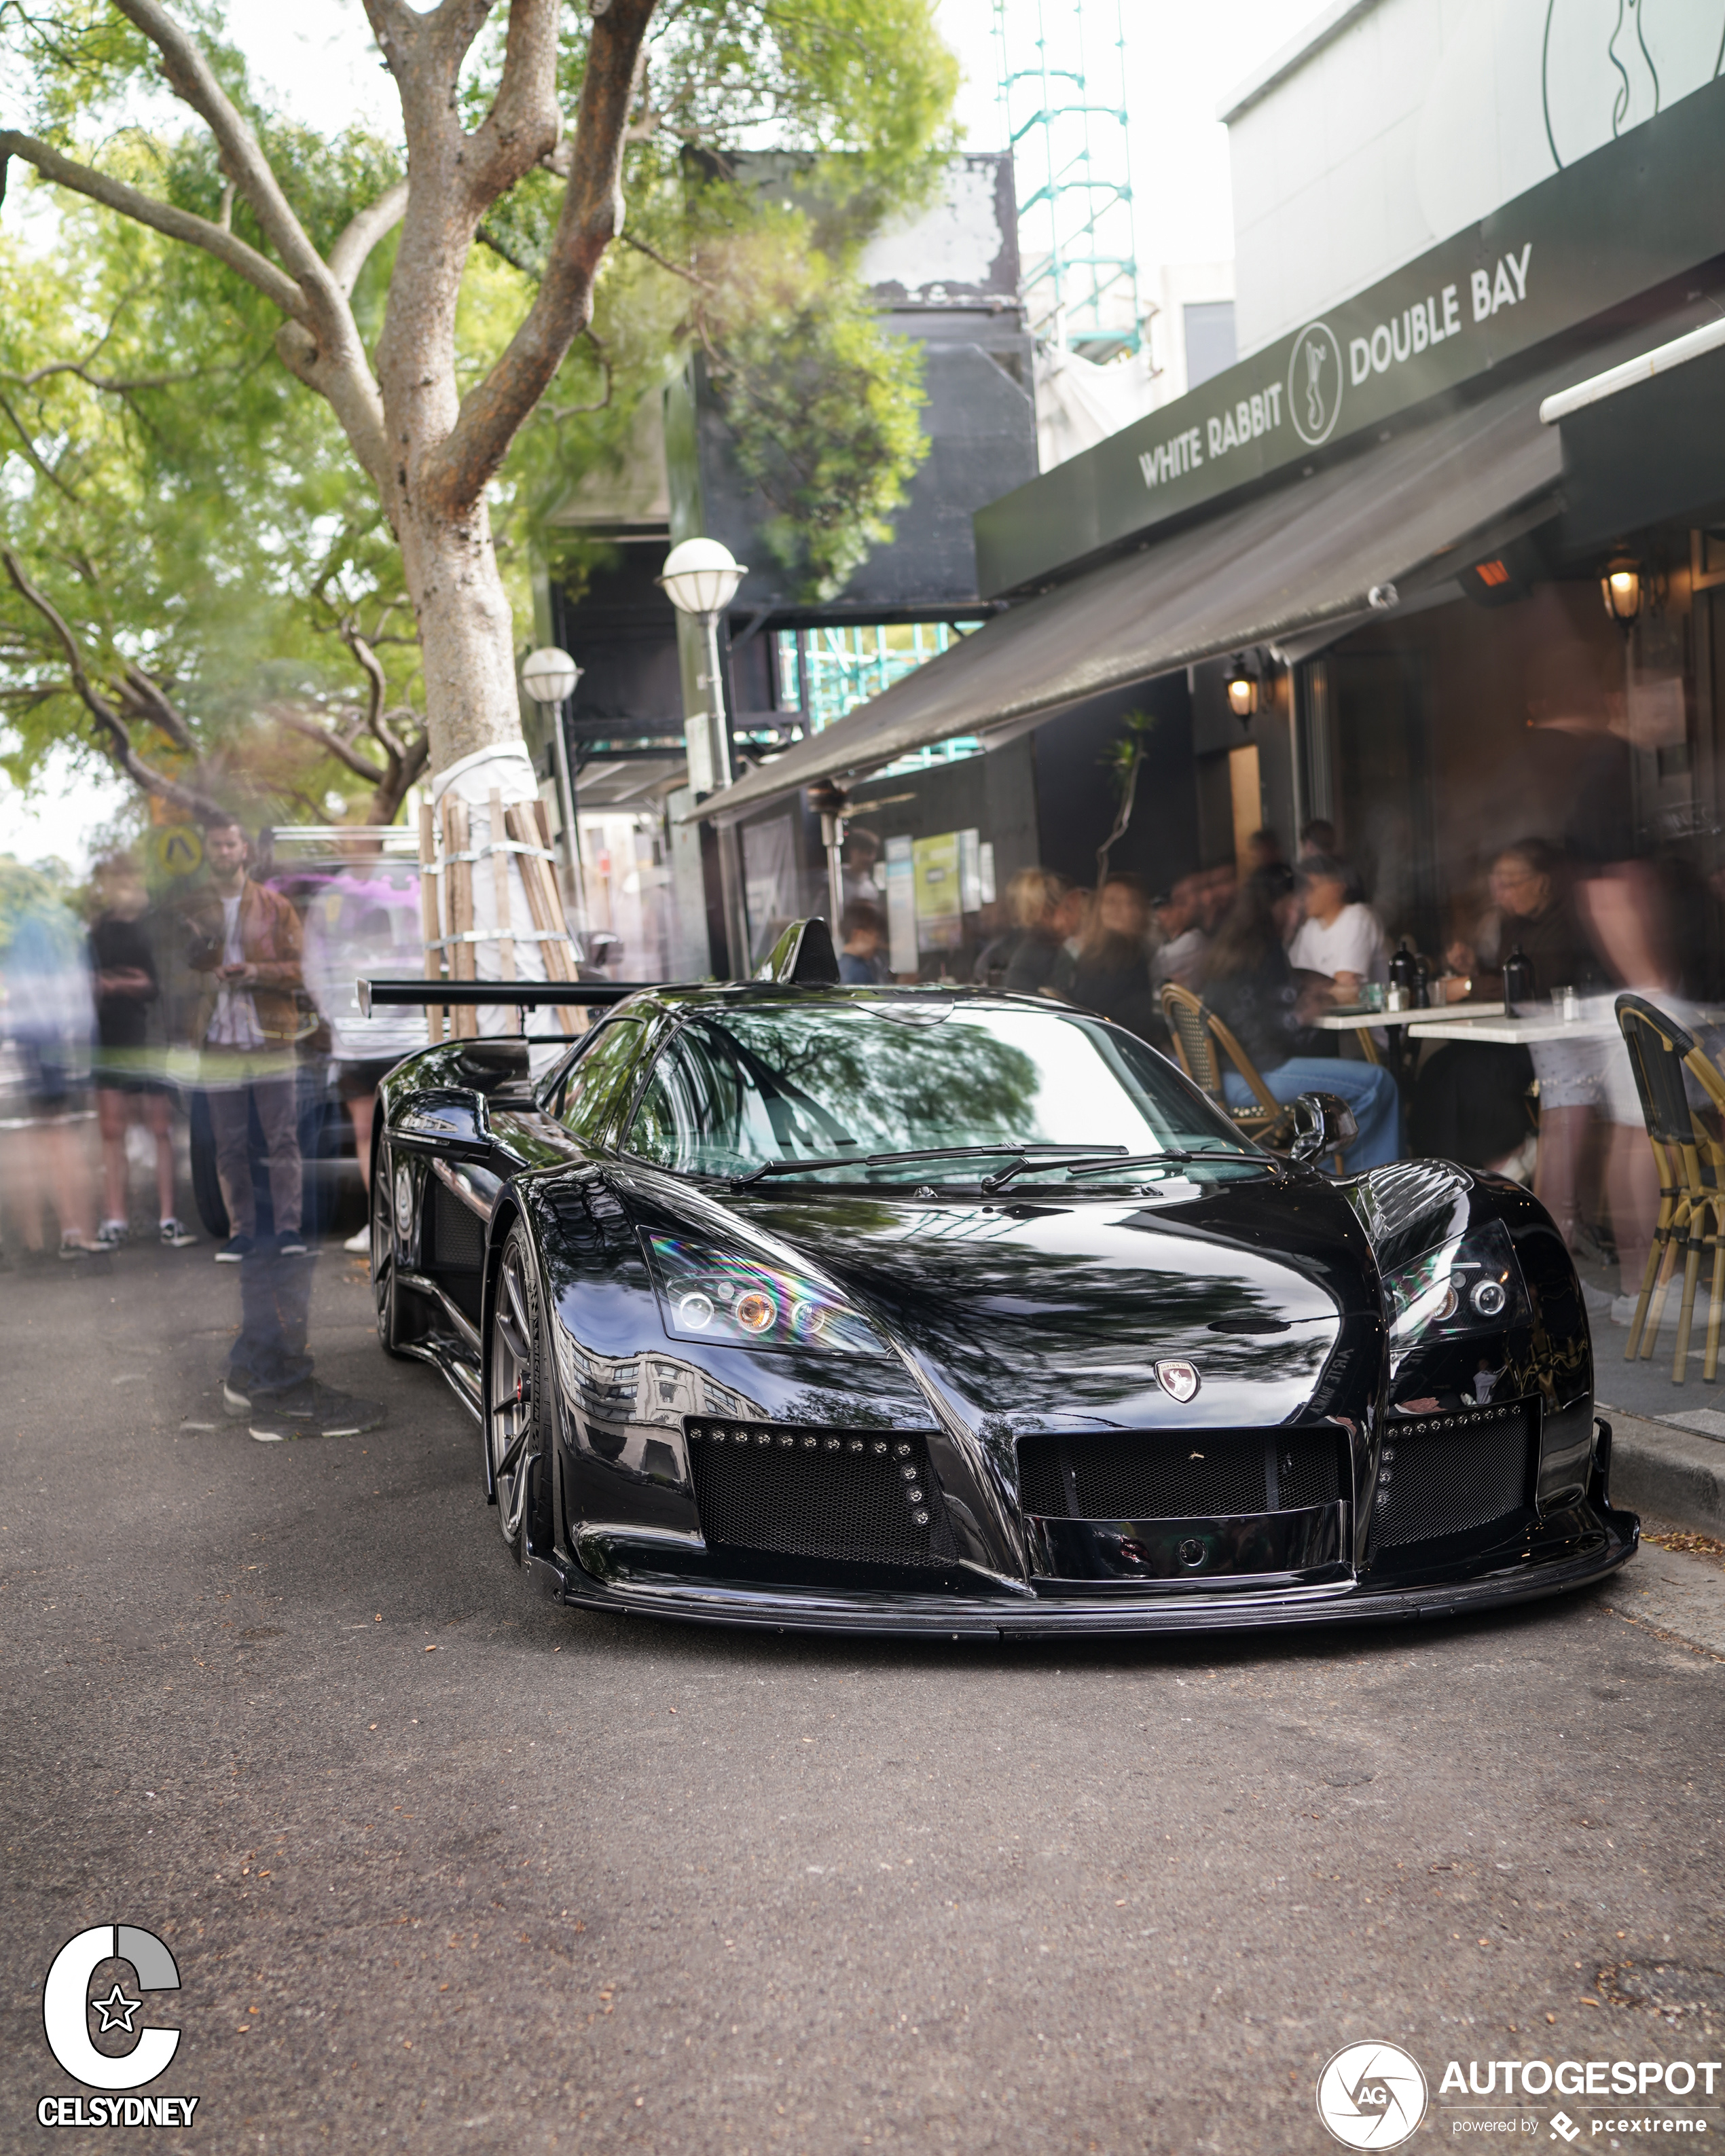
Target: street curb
<point>1656,1467</point>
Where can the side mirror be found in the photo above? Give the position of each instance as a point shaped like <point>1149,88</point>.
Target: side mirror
<point>1324,1123</point>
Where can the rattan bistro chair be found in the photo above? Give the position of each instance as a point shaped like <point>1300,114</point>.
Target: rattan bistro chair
<point>1691,1180</point>
<point>1203,1044</point>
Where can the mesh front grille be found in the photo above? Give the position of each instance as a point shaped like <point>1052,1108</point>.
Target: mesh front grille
<point>1201,1475</point>
<point>848,1497</point>
<point>1452,1474</point>
<point>457,1236</point>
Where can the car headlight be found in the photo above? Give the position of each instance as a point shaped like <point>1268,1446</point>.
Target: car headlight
<point>1471,1283</point>
<point>705,1293</point>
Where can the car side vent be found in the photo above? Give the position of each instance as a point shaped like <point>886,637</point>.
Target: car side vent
<point>845,1496</point>
<point>1202,1474</point>
<point>458,1234</point>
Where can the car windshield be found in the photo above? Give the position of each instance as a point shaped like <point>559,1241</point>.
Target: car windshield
<point>836,1085</point>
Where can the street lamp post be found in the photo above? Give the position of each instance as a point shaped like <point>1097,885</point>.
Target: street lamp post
<point>549,677</point>
<point>700,579</point>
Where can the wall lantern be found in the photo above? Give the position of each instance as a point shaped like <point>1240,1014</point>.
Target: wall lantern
<point>1242,688</point>
<point>1621,589</point>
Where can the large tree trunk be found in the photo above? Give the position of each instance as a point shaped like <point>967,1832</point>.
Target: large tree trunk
<point>466,630</point>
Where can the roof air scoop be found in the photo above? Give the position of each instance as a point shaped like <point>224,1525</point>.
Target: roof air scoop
<point>802,955</point>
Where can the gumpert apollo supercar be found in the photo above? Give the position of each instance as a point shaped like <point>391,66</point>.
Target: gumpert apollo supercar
<point>946,1312</point>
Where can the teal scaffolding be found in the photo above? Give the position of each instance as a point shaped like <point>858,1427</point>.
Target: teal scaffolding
<point>1063,89</point>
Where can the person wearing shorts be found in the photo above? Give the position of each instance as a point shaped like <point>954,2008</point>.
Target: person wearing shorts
<point>128,983</point>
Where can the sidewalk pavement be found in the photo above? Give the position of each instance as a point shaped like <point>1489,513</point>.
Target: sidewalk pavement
<point>1659,1467</point>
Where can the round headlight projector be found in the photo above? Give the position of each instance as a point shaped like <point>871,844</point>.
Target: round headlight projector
<point>754,1311</point>
<point>695,1310</point>
<point>1489,1297</point>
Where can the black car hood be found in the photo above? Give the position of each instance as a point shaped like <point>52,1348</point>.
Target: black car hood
<point>1048,1311</point>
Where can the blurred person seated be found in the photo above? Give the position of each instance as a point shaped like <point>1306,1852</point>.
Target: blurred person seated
<point>1181,952</point>
<point>1218,888</point>
<point>1263,851</point>
<point>50,1017</point>
<point>1340,940</point>
<point>864,929</point>
<point>1042,915</point>
<point>1317,836</point>
<point>1532,909</point>
<point>1111,972</point>
<point>245,940</point>
<point>1249,984</point>
<point>127,984</point>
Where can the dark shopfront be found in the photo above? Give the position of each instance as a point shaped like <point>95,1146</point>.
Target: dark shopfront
<point>1372,519</point>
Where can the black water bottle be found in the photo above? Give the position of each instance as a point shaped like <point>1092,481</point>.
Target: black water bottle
<point>1405,974</point>
<point>1422,982</point>
<point>1517,983</point>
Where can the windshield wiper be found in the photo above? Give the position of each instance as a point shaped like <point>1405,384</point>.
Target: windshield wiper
<point>1107,1161</point>
<point>1021,1153</point>
<point>1267,1162</point>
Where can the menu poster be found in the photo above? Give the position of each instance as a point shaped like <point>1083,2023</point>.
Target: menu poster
<point>940,912</point>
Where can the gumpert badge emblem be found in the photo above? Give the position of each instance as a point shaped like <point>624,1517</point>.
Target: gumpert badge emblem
<point>1180,1381</point>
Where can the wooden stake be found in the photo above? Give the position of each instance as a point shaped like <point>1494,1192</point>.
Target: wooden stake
<point>541,886</point>
<point>429,928</point>
<point>499,878</point>
<point>457,874</point>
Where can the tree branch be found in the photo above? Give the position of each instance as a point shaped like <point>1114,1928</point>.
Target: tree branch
<point>190,78</point>
<point>524,123</point>
<point>34,454</point>
<point>120,745</point>
<point>665,262</point>
<point>455,474</point>
<point>258,269</point>
<point>109,382</point>
<point>146,699</point>
<point>330,743</point>
<point>557,413</point>
<point>353,250</point>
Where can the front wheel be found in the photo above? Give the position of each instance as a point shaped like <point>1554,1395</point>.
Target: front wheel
<point>518,1404</point>
<point>384,1300</point>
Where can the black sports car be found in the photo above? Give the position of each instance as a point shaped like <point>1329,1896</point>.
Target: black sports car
<point>949,1311</point>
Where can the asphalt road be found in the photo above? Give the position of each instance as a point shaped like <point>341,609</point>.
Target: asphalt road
<point>446,1867</point>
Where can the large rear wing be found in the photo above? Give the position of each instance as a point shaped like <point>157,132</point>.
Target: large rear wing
<point>510,995</point>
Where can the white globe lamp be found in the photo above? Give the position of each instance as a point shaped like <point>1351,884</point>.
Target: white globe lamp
<point>700,576</point>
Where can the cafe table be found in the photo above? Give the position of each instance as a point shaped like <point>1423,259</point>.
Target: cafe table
<point>1354,1018</point>
<point>1520,1032</point>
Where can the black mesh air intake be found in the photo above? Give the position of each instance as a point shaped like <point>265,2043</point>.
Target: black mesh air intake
<point>1197,1474</point>
<point>458,1234</point>
<point>844,1495</point>
<point>1453,1473</point>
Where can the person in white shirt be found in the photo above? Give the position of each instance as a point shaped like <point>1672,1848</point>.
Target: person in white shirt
<point>1343,942</point>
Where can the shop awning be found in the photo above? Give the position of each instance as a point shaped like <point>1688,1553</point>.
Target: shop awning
<point>1314,551</point>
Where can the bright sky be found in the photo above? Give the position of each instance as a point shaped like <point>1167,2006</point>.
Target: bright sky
<point>1181,62</point>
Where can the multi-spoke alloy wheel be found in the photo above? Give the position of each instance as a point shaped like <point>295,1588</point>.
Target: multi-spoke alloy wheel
<point>513,1413</point>
<point>383,1298</point>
